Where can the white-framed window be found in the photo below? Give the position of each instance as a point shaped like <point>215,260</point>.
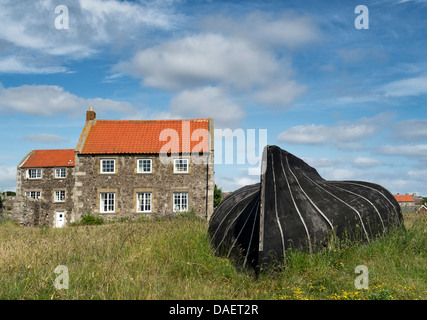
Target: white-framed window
<point>145,165</point>
<point>180,165</point>
<point>59,196</point>
<point>108,166</point>
<point>144,201</point>
<point>107,202</point>
<point>180,201</point>
<point>34,173</point>
<point>60,173</point>
<point>33,194</point>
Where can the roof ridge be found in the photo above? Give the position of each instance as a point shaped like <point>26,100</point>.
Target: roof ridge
<point>53,149</point>
<point>148,120</point>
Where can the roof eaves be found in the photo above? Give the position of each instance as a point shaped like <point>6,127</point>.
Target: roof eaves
<point>26,158</point>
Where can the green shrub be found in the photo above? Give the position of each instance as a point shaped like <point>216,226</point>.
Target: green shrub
<point>217,196</point>
<point>90,219</point>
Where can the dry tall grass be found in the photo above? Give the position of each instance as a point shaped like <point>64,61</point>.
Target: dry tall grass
<point>171,259</point>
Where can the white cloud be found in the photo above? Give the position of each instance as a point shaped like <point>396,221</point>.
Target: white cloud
<point>410,130</point>
<point>403,185</point>
<point>228,64</point>
<point>420,175</point>
<point>44,138</point>
<point>280,94</point>
<point>360,54</point>
<point>412,151</point>
<point>305,134</point>
<point>28,27</point>
<point>343,134</point>
<point>406,87</point>
<point>110,15</point>
<point>44,100</point>
<point>267,29</point>
<point>207,102</point>
<point>229,183</point>
<point>321,162</point>
<point>200,60</point>
<point>337,174</point>
<point>13,64</point>
<point>7,178</point>
<point>243,67</point>
<point>362,162</point>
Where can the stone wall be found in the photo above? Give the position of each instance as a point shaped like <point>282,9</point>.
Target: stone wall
<point>409,209</point>
<point>126,182</point>
<point>31,212</point>
<point>47,185</point>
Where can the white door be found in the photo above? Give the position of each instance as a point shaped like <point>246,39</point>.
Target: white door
<point>59,219</point>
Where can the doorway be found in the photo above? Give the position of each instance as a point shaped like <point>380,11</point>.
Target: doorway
<point>59,219</point>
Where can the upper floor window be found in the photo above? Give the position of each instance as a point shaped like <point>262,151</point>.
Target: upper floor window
<point>34,173</point>
<point>144,166</point>
<point>180,166</point>
<point>108,166</point>
<point>33,194</point>
<point>60,173</point>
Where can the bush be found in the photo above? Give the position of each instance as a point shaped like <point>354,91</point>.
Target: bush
<point>217,196</point>
<point>90,219</point>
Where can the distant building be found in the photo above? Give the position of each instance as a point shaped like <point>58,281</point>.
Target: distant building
<point>405,200</point>
<point>417,199</point>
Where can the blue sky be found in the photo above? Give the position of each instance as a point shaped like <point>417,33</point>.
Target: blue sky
<point>351,102</point>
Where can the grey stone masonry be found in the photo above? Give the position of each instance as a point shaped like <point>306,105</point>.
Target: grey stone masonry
<point>126,183</point>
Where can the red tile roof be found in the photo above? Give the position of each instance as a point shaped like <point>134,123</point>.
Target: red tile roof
<point>404,198</point>
<point>50,158</point>
<point>143,136</point>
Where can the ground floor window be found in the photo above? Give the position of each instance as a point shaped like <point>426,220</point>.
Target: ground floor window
<point>59,196</point>
<point>144,201</point>
<point>107,202</point>
<point>33,194</point>
<point>180,201</point>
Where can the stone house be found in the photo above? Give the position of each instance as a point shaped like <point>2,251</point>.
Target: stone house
<point>122,168</point>
<point>45,178</point>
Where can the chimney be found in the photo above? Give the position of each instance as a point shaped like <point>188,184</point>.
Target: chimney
<point>90,115</point>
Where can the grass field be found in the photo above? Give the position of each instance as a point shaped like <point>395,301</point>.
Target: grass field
<point>171,259</point>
